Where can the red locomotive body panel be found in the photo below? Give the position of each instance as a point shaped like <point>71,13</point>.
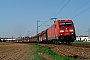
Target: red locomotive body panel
<point>51,32</point>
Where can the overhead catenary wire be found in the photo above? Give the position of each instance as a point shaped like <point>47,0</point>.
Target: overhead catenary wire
<point>69,14</point>
<point>54,12</point>
<point>62,8</point>
<point>58,7</point>
<point>42,23</point>
<point>81,12</point>
<point>78,8</point>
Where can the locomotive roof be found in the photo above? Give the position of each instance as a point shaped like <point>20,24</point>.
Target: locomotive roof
<point>64,20</point>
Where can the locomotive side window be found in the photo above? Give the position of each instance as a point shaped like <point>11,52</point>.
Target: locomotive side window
<point>68,24</point>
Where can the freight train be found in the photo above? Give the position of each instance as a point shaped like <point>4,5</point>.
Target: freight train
<point>62,31</point>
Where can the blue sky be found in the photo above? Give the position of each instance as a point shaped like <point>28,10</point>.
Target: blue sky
<point>17,17</point>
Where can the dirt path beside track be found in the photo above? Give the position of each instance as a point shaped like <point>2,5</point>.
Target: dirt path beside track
<point>14,51</point>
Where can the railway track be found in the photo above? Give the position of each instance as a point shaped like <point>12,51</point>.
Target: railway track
<point>82,45</point>
<point>79,52</point>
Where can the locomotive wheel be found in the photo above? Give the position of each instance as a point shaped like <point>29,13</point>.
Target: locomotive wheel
<point>55,42</point>
<point>68,43</point>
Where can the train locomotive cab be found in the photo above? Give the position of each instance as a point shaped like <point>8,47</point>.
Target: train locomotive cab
<point>66,31</point>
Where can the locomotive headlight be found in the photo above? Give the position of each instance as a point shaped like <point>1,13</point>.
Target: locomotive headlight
<point>71,30</point>
<point>61,30</point>
<point>72,33</point>
<point>61,34</point>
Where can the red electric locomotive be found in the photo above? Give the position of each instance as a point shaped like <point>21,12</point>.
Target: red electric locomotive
<point>62,31</point>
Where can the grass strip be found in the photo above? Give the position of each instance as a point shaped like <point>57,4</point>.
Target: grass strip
<point>36,56</point>
<point>50,53</point>
<point>77,42</point>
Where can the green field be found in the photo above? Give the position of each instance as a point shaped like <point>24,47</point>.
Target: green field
<point>41,51</point>
<point>78,42</point>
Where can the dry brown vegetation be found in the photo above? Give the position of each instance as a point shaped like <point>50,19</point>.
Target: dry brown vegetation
<point>14,51</point>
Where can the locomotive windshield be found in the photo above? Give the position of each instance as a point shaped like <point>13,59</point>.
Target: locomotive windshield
<point>65,24</point>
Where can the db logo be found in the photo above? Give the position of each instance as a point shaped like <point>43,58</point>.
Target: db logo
<point>66,30</point>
